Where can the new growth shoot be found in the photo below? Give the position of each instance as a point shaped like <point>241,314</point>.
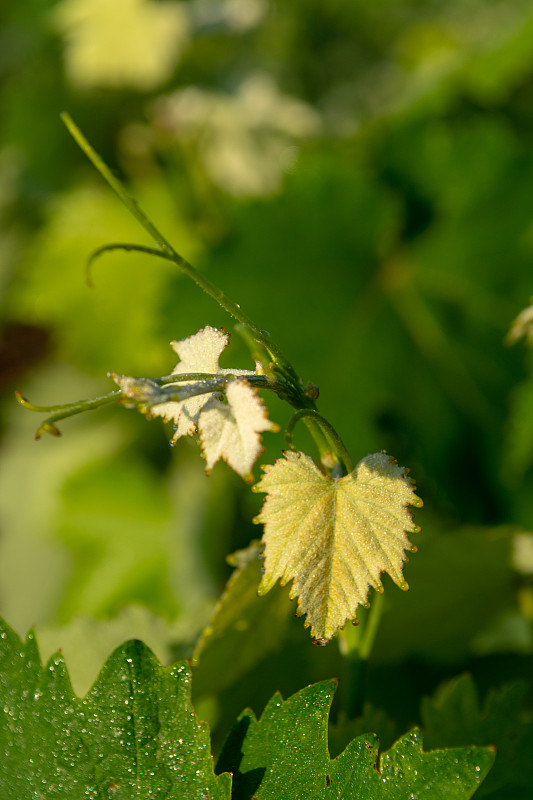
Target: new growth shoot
<point>330,527</point>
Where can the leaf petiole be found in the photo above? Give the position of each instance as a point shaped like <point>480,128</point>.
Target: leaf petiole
<point>313,419</point>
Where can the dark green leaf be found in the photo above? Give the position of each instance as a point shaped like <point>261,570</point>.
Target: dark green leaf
<point>242,623</point>
<point>285,754</point>
<point>135,735</point>
<point>405,771</point>
<point>455,715</point>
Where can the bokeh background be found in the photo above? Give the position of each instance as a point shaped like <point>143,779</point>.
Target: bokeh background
<point>358,176</point>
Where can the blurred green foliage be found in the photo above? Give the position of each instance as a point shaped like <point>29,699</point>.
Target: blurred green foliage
<point>358,177</point>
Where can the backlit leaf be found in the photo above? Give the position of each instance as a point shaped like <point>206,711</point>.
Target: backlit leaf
<point>232,430</point>
<point>228,430</point>
<point>334,538</point>
<point>198,354</point>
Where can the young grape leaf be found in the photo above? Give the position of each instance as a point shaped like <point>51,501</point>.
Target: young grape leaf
<point>228,430</point>
<point>285,755</point>
<point>198,353</point>
<point>232,430</point>
<point>334,538</point>
<point>134,735</point>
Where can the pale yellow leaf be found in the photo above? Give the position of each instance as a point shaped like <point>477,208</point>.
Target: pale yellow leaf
<point>198,354</point>
<point>117,43</point>
<point>231,430</point>
<point>334,538</point>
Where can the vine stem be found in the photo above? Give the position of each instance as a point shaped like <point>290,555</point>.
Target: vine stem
<point>296,394</point>
<point>355,644</point>
<point>148,392</point>
<point>331,435</point>
<point>65,411</point>
<point>165,250</point>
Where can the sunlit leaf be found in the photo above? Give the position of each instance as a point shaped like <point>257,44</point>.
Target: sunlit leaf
<point>229,427</point>
<point>98,53</point>
<point>198,354</point>
<point>334,538</point>
<point>232,430</point>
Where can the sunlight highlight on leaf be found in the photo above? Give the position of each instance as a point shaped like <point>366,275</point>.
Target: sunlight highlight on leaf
<point>231,430</point>
<point>334,538</point>
<point>198,353</point>
<point>522,326</point>
<point>229,426</point>
<point>126,43</point>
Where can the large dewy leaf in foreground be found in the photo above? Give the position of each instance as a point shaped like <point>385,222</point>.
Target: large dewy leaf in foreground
<point>284,756</point>
<point>134,736</point>
<point>334,538</point>
<point>406,772</point>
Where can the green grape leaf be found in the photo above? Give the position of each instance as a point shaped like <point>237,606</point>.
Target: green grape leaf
<point>334,538</point>
<point>241,623</point>
<point>454,715</point>
<point>134,735</point>
<point>285,754</point>
<point>406,772</point>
